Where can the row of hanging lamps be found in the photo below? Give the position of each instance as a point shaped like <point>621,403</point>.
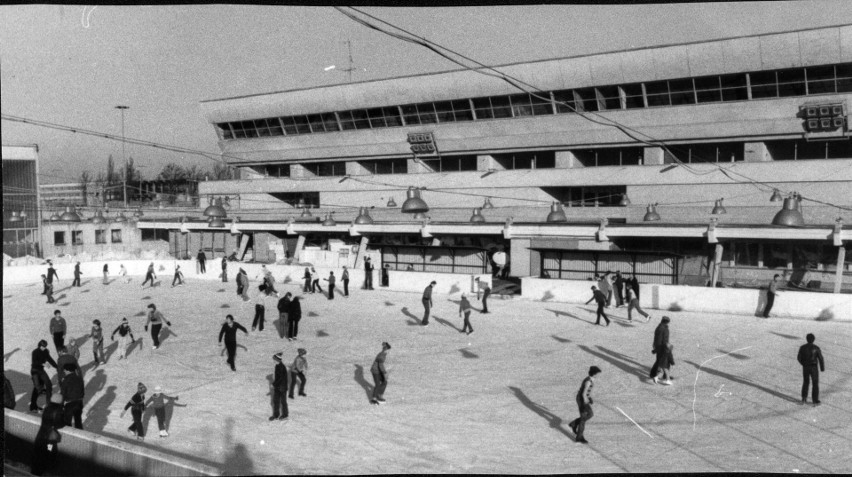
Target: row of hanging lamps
<point>413,203</point>
<point>364,216</point>
<point>487,204</point>
<point>791,214</point>
<point>624,200</point>
<point>556,213</point>
<point>776,196</point>
<point>651,215</point>
<point>329,221</point>
<point>477,217</point>
<point>99,218</point>
<point>391,203</point>
<point>719,208</point>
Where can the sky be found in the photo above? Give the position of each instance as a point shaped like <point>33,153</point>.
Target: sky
<point>72,64</point>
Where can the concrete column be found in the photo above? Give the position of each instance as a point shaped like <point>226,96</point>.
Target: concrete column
<point>436,241</point>
<point>485,162</point>
<point>756,152</point>
<point>653,155</point>
<point>354,168</point>
<point>838,275</point>
<point>567,160</point>
<point>298,171</point>
<point>300,244</point>
<point>417,167</point>
<point>362,251</point>
<point>714,266</point>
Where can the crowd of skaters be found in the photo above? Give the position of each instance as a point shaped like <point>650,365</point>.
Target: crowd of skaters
<point>68,402</point>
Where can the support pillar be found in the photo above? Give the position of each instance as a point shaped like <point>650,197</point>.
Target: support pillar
<point>362,251</point>
<point>653,156</point>
<point>838,274</point>
<point>436,242</point>
<point>567,160</point>
<point>714,266</point>
<point>300,244</point>
<point>756,152</point>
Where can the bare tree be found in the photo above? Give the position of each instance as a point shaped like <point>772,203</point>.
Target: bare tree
<point>195,173</point>
<point>172,172</point>
<point>111,175</point>
<point>222,172</point>
<point>85,180</point>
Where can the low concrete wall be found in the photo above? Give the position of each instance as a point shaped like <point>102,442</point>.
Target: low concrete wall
<point>447,283</point>
<point>750,302</point>
<point>85,453</point>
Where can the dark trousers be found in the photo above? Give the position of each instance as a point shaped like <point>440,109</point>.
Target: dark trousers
<point>770,300</point>
<point>41,384</point>
<point>279,403</point>
<point>148,276</point>
<point>44,459</point>
<point>292,328</point>
<point>50,294</point>
<point>427,305</point>
<point>76,282</point>
<point>160,412</point>
<point>231,348</point>
<point>307,286</point>
<point>314,285</point>
<point>259,315</point>
<point>619,296</point>
<point>202,265</point>
<point>239,289</point>
<point>467,321</point>
<point>601,314</point>
<point>177,279</point>
<point>346,287</point>
<point>662,353</point>
<point>224,275</point>
<point>634,303</point>
<point>59,340</point>
<point>331,291</point>
<point>301,376</point>
<point>74,411</point>
<point>585,414</point>
<point>381,383</point>
<point>137,423</point>
<point>368,280</point>
<point>155,334</point>
<point>810,374</point>
<point>98,351</point>
<point>485,300</point>
<point>44,292</point>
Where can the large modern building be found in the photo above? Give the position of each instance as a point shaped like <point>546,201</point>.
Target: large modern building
<point>671,163</point>
<point>21,225</point>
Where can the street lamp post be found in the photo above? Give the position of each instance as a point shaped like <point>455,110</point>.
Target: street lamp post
<point>123,154</point>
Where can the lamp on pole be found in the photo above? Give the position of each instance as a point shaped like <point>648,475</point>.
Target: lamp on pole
<point>124,156</point>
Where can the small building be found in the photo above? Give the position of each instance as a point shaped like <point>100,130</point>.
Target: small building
<point>21,224</point>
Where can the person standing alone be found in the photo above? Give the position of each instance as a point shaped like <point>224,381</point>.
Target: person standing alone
<point>58,328</point>
<point>330,281</point>
<point>368,274</point>
<point>202,261</point>
<point>345,278</point>
<point>294,314</point>
<point>380,375</point>
<point>661,349</point>
<point>77,273</point>
<point>427,303</point>
<point>810,356</point>
<point>584,402</point>
<point>279,390</point>
<point>485,287</point>
<point>464,310</point>
<point>770,295</point>
<point>224,269</point>
<point>600,299</point>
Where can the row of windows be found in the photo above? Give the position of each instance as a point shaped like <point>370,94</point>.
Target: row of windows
<point>59,237</point>
<point>706,89</point>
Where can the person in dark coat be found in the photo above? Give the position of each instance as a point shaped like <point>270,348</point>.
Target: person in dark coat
<point>202,261</point>
<point>485,288</point>
<point>49,292</point>
<point>150,275</point>
<point>618,284</point>
<point>283,310</point>
<point>136,404</point>
<point>73,391</point>
<point>279,390</point>
<point>106,274</point>
<point>634,284</point>
<point>368,274</point>
<point>8,393</point>
<point>380,375</point>
<point>62,361</point>
<point>345,278</point>
<point>229,332</point>
<point>386,276</point>
<point>224,269</point>
<point>307,287</point>
<point>298,370</point>
<point>331,281</point>
<point>58,328</point>
<point>45,447</point>
<point>584,402</point>
<point>242,284</point>
<point>77,273</point>
<point>464,312</point>
<point>293,316</point>
<point>600,299</point>
<point>41,381</point>
<point>661,349</point>
<point>810,356</point>
<point>427,302</point>
<point>51,273</point>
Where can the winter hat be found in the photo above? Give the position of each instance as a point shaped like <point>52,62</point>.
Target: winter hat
<point>594,370</point>
<point>277,356</point>
<point>42,343</point>
<point>70,367</point>
<point>386,345</point>
<point>666,319</point>
<point>158,389</point>
<point>97,322</point>
<point>141,388</point>
<point>302,351</point>
<point>56,398</point>
<point>124,320</point>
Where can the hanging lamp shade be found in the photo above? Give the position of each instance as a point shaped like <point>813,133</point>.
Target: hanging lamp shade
<point>420,216</point>
<point>23,215</point>
<point>183,228</point>
<point>301,204</point>
<point>99,218</point>
<point>414,204</point>
<point>234,229</point>
<point>477,217</point>
<point>328,222</point>
<point>624,200</point>
<point>54,217</point>
<point>487,204</point>
<point>306,212</point>
<point>69,216</point>
<point>217,222</point>
<point>138,213</point>
<point>391,203</point>
<point>651,215</point>
<point>121,218</point>
<point>776,196</point>
<point>14,217</point>
<point>719,208</point>
<point>364,217</point>
<point>216,210</point>
<point>556,213</point>
<point>789,215</point>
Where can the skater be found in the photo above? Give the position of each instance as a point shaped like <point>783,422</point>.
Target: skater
<point>202,261</point>
<point>229,331</point>
<point>106,274</point>
<point>380,374</point>
<point>178,277</point>
<point>150,275</point>
<point>57,329</point>
<point>242,284</point>
<point>605,286</point>
<point>386,275</point>
<point>64,359</point>
<point>136,404</point>
<point>49,291</point>
<point>770,295</point>
<point>809,357</point>
<point>427,303</point>
<point>345,278</point>
<point>600,298</point>
<point>330,281</point>
<point>294,314</point>
<point>486,291</point>
<point>47,439</point>
<point>224,271</point>
<point>77,273</point>
<point>44,283</point>
<point>156,319</point>
<point>158,400</point>
<point>315,281</point>
<point>73,391</point>
<point>634,284</point>
<point>584,402</point>
<point>268,280</point>
<point>464,309</point>
<point>41,381</point>
<point>259,308</point>
<point>97,335</point>
<point>307,277</point>
<point>633,303</point>
<point>51,273</point>
<point>298,370</point>
<point>619,289</point>
<point>661,349</point>
<point>123,331</point>
<point>73,349</point>
<point>122,272</point>
<point>283,310</point>
<point>368,274</point>
<point>279,390</point>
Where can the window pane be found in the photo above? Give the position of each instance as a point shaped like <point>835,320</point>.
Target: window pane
<point>302,126</point>
<point>844,77</point>
<point>444,109</point>
<point>633,96</point>
<point>392,116</point>
<point>523,161</point>
<point>116,236</point>
<point>682,91</point>
<point>262,128</point>
<point>734,87</point>
<point>657,93</point>
<point>274,127</point>
<point>316,123</point>
<point>410,113</point>
<point>483,108</point>
<point>58,238</point>
<point>360,118</point>
<point>821,80</point>
<point>588,97</point>
<point>461,108</point>
<point>467,163</point>
<point>249,129</point>
<point>707,89</point>
<point>763,85</point>
<point>427,113</point>
<point>377,118</point>
<point>746,254</point>
<point>330,122</point>
<point>226,130</point>
<point>501,107</point>
<point>775,255</point>
<point>564,101</point>
<point>611,98</point>
<point>791,82</point>
<point>541,104</point>
<point>521,104</point>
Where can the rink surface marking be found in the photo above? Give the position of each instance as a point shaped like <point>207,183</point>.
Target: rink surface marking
<point>695,384</point>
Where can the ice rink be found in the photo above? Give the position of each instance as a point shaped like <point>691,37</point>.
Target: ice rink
<point>496,401</point>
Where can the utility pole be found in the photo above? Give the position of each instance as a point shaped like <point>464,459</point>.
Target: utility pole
<point>123,154</point>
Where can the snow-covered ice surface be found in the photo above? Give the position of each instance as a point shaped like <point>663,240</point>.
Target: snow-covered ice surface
<point>497,401</point>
